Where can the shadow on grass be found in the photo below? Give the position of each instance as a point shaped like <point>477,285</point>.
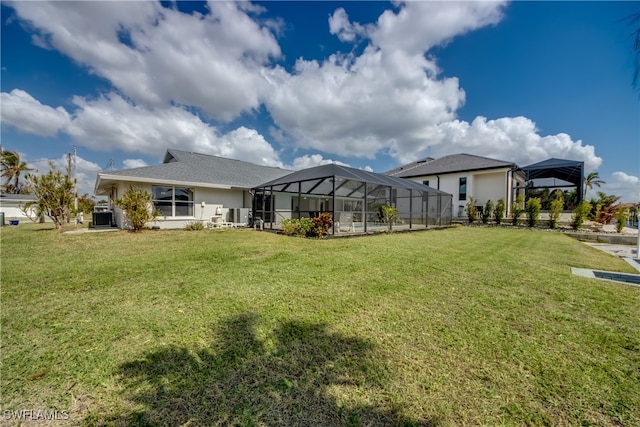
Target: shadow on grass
<point>297,374</point>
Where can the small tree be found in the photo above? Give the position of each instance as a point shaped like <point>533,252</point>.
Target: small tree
<point>555,210</point>
<point>533,208</point>
<point>137,205</point>
<point>580,213</point>
<point>498,212</point>
<point>86,204</point>
<point>517,209</point>
<point>54,195</point>
<point>472,210</point>
<point>389,215</point>
<point>487,211</point>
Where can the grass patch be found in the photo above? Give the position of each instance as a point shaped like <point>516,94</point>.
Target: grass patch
<point>462,326</point>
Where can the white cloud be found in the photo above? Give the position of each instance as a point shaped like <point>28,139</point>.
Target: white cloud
<point>420,25</point>
<point>22,111</point>
<point>389,99</point>
<point>157,55</point>
<point>133,163</point>
<point>623,185</point>
<point>509,138</point>
<point>346,31</point>
<point>309,161</point>
<point>110,122</point>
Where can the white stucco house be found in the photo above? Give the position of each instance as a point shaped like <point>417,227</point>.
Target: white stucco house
<point>12,207</point>
<point>189,187</point>
<point>465,176</point>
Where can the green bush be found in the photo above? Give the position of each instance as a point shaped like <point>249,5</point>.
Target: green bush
<point>389,215</point>
<point>555,209</point>
<point>194,226</point>
<point>138,206</point>
<point>533,208</point>
<point>472,210</point>
<point>487,211</point>
<point>517,209</point>
<point>297,227</point>
<point>621,216</point>
<point>580,213</point>
<point>498,212</point>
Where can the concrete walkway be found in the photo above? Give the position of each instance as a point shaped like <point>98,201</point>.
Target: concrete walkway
<point>622,251</point>
<point>629,253</point>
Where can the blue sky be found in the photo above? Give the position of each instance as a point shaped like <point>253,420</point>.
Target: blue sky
<point>295,84</point>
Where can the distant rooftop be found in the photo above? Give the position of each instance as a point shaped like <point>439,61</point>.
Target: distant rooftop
<point>448,164</point>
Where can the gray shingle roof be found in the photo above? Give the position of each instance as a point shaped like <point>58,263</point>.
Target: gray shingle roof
<point>448,164</point>
<point>184,166</point>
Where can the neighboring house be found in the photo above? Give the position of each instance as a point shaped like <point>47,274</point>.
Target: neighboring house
<point>466,176</point>
<point>190,187</point>
<point>12,206</point>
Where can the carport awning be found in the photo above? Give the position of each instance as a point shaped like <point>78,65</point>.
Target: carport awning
<point>570,171</point>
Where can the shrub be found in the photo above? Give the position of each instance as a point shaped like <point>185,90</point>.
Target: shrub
<point>320,224</point>
<point>194,226</point>
<point>580,213</point>
<point>516,209</point>
<point>621,216</point>
<point>487,211</point>
<point>297,227</point>
<point>389,215</point>
<point>533,208</point>
<point>472,210</point>
<point>137,205</point>
<point>498,212</point>
<point>555,209</point>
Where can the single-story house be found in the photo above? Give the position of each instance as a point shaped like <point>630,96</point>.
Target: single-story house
<point>12,207</point>
<point>189,187</point>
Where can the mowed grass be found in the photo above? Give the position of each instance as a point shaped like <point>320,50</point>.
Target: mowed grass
<point>469,325</point>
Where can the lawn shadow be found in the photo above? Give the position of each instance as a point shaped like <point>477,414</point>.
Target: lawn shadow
<point>295,374</point>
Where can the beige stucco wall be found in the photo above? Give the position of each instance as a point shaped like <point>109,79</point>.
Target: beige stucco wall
<point>482,185</point>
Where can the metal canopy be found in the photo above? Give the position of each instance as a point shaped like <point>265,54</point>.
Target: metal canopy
<point>570,171</point>
<point>337,171</point>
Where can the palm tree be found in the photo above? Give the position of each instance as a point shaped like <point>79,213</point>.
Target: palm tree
<point>593,179</point>
<point>12,167</point>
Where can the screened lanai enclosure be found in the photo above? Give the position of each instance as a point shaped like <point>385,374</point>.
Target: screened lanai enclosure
<point>352,197</point>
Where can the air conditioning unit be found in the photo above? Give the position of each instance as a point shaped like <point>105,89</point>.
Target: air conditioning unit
<point>239,215</point>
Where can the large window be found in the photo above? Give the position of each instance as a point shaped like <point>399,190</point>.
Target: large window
<point>173,201</point>
<point>462,190</point>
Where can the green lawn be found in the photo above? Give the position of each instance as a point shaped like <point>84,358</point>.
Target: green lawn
<point>468,325</point>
